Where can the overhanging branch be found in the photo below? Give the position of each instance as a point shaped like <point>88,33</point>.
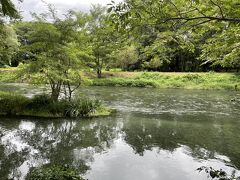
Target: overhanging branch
<point>234,20</point>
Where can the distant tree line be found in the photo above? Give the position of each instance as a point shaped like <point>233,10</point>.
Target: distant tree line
<point>153,35</point>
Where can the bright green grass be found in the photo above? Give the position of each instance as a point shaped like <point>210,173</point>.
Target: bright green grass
<point>211,80</point>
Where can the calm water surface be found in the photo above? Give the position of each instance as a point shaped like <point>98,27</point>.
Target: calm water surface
<point>155,135</point>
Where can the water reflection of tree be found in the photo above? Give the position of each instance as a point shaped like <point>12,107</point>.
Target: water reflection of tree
<point>55,142</point>
<point>203,140</point>
<point>10,162</point>
<point>75,142</point>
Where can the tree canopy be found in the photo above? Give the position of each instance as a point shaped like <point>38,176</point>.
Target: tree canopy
<point>176,29</point>
<point>53,49</point>
<point>167,35</point>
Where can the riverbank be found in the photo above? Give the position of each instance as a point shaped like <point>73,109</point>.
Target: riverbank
<point>210,80</point>
<point>189,80</point>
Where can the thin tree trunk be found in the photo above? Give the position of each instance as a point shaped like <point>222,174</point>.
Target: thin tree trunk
<point>56,88</point>
<point>70,91</point>
<point>99,68</point>
<point>99,73</point>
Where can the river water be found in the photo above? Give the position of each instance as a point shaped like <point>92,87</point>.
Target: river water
<point>156,134</point>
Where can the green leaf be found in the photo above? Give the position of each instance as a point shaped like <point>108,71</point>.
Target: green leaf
<point>109,9</point>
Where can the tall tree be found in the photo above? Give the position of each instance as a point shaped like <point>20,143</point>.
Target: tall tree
<point>9,44</point>
<point>54,52</point>
<point>8,38</point>
<point>187,19</point>
<point>103,38</point>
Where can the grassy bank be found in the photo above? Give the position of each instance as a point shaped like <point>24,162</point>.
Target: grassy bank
<point>209,80</point>
<point>12,104</point>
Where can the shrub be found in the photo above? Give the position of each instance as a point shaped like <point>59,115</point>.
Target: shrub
<point>55,172</point>
<point>12,104</point>
<point>82,106</point>
<point>40,102</point>
<point>138,82</point>
<point>78,107</point>
<point>58,107</point>
<point>149,75</point>
<point>127,57</point>
<point>43,105</point>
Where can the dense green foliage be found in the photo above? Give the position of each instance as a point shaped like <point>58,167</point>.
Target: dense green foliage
<point>103,39</point>
<point>182,35</point>
<point>12,103</point>
<point>82,106</point>
<point>210,80</point>
<point>8,46</point>
<point>152,35</point>
<point>44,106</point>
<point>126,57</point>
<point>134,35</point>
<point>55,172</point>
<point>53,51</point>
<point>175,35</point>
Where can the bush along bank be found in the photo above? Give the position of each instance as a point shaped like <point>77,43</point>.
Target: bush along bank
<point>43,106</point>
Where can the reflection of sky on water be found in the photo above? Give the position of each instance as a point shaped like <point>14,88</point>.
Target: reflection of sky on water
<point>12,141</point>
<point>155,164</point>
<point>117,161</point>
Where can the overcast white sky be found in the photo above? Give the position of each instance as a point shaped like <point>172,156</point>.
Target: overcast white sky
<point>62,6</point>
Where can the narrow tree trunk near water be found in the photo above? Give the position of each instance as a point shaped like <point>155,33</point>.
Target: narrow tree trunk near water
<point>99,67</point>
<point>56,88</point>
<point>55,94</point>
<point>99,73</point>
